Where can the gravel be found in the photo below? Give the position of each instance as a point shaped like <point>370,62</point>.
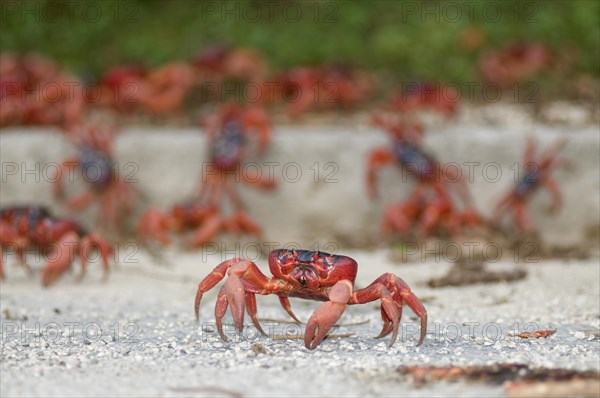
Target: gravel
<point>136,333</point>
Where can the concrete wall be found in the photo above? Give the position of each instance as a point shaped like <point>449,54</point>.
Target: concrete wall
<point>328,202</point>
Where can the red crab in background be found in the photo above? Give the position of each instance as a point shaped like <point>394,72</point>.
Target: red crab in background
<point>32,227</point>
<point>307,88</point>
<point>159,91</point>
<point>537,174</point>
<point>221,62</point>
<point>228,136</point>
<point>514,63</point>
<point>166,88</point>
<point>429,211</point>
<point>36,92</point>
<point>120,87</point>
<point>426,95</point>
<point>101,174</point>
<point>12,90</point>
<point>204,220</point>
<point>430,205</point>
<point>310,275</point>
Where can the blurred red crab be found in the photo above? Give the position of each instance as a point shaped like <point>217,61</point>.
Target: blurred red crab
<point>35,91</point>
<point>33,227</point>
<point>431,205</point>
<point>537,174</point>
<point>99,171</point>
<point>307,88</point>
<point>229,145</point>
<point>514,63</point>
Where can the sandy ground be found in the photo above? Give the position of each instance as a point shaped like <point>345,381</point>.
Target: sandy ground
<point>136,334</point>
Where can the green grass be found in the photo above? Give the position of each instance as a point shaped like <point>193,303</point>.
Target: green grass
<point>382,36</point>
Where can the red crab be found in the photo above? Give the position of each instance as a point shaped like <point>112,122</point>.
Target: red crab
<point>229,148</point>
<point>220,62</point>
<point>121,87</point>
<point>426,95</point>
<point>430,211</point>
<point>166,87</point>
<point>431,204</point>
<point>98,170</point>
<point>407,151</point>
<point>159,91</point>
<point>323,87</point>
<point>35,91</point>
<point>515,63</point>
<point>204,220</point>
<point>537,174</point>
<point>311,275</point>
<point>32,227</point>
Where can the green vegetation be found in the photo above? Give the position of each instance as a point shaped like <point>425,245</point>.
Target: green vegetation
<point>409,39</point>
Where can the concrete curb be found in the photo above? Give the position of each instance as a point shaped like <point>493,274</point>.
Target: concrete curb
<point>321,195</point>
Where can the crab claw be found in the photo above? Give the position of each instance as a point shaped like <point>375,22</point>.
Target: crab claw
<point>95,242</point>
<point>326,315</point>
<point>320,322</point>
<point>236,297</point>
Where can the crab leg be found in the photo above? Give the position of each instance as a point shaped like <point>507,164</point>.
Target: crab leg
<point>230,293</point>
<point>521,215</point>
<point>154,225</point>
<point>66,165</point>
<point>60,259</point>
<point>211,280</point>
<point>95,242</point>
<point>452,177</point>
<point>2,276</point>
<point>257,120</point>
<point>325,316</point>
<point>396,218</point>
<point>392,291</point>
<point>8,237</point>
<point>257,178</point>
<point>210,227</point>
<point>220,311</point>
<point>241,222</point>
<point>432,215</point>
<point>377,159</point>
<point>285,303</point>
<point>429,219</point>
<point>233,194</point>
<point>388,324</point>
<point>502,206</point>
<point>251,308</point>
<point>81,201</point>
<point>243,277</point>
